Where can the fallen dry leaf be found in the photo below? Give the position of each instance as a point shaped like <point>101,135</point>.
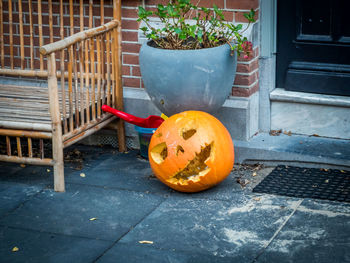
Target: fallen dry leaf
<point>22,165</point>
<point>145,242</point>
<point>82,175</point>
<point>289,133</point>
<point>257,198</point>
<point>242,182</point>
<point>93,219</point>
<point>15,249</point>
<point>315,135</point>
<point>275,132</point>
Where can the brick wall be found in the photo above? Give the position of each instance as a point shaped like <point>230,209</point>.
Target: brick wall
<point>246,82</point>
<point>247,77</point>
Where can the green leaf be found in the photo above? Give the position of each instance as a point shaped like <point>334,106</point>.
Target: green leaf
<point>200,33</point>
<point>142,12</point>
<point>177,30</point>
<point>144,29</point>
<point>183,35</point>
<point>171,11</point>
<point>250,16</point>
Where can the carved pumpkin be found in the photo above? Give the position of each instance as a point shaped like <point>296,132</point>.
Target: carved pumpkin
<point>191,151</point>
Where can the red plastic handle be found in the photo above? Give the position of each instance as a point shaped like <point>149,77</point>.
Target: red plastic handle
<point>125,116</point>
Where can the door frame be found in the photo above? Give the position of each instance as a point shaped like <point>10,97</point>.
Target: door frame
<point>267,60</point>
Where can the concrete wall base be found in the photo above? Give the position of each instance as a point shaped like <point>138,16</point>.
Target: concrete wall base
<point>239,115</point>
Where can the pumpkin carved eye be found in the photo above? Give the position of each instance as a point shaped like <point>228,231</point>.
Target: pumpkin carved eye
<point>159,152</point>
<point>179,150</point>
<point>186,134</point>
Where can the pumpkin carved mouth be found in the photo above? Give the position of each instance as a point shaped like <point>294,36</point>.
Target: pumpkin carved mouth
<point>195,168</point>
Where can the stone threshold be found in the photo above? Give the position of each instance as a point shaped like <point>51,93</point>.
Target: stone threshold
<point>309,98</point>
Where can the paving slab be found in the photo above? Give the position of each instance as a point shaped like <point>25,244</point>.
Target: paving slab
<point>72,212</point>
<point>12,195</point>
<point>227,223</point>
<point>8,168</point>
<point>146,253</point>
<point>122,171</point>
<point>228,189</point>
<point>317,232</point>
<point>36,246</point>
<point>31,175</point>
<point>237,229</point>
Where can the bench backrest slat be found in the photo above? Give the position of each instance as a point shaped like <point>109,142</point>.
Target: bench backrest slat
<point>26,25</point>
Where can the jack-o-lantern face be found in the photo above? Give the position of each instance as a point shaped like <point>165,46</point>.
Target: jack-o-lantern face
<point>191,151</point>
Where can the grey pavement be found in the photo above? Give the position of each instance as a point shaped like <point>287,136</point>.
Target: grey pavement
<point>115,210</point>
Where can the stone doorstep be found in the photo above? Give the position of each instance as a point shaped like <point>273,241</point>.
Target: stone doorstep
<point>310,114</point>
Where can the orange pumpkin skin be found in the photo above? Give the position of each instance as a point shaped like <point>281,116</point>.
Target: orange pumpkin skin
<point>191,151</point>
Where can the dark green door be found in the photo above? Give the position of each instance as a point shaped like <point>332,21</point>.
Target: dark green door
<point>313,46</point>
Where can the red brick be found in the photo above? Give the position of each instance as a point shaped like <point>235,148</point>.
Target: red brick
<point>17,62</point>
<point>242,4</point>
<point>136,71</point>
<point>130,59</point>
<point>131,2</point>
<point>246,68</point>
<point>228,15</point>
<point>156,2</point>
<point>129,13</point>
<point>209,3</point>
<point>243,92</point>
<point>15,18</point>
<point>131,48</point>
<point>126,71</point>
<point>131,82</point>
<point>27,52</point>
<point>130,36</point>
<point>245,80</point>
<point>239,17</point>
<point>46,31</point>
<point>130,24</point>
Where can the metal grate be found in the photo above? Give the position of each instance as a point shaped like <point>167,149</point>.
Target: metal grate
<point>107,139</point>
<point>327,184</point>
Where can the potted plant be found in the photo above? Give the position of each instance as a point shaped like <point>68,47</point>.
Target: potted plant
<point>189,62</point>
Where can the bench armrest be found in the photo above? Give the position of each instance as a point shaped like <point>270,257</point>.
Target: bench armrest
<point>83,35</point>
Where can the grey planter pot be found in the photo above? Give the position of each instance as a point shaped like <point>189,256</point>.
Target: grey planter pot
<point>179,80</point>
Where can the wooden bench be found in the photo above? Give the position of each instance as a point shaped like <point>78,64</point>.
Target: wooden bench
<point>52,86</point>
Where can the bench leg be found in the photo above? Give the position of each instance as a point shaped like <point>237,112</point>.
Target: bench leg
<point>58,169</point>
<point>121,136</point>
<point>57,141</point>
